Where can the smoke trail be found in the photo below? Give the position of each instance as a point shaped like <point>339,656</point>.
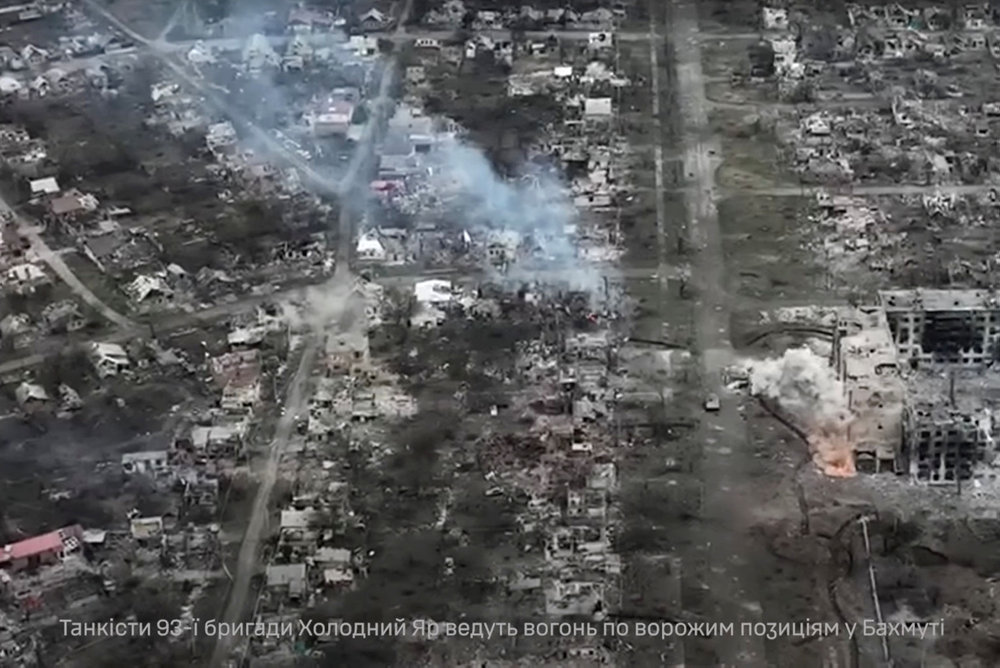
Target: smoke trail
<point>805,387</point>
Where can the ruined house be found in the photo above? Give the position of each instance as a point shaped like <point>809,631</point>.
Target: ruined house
<point>109,359</point>
<point>63,316</point>
<point>347,354</point>
<point>152,463</point>
<point>46,549</point>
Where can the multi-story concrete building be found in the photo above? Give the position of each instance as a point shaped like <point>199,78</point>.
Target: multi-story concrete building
<point>866,363</point>
<point>948,427</point>
<point>944,327</point>
<point>945,342</point>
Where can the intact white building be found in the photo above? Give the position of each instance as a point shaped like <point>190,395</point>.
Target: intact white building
<point>29,393</point>
<point>600,40</point>
<point>151,462</point>
<point>24,278</point>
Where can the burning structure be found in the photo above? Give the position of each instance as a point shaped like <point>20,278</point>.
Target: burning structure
<point>865,362</point>
<point>909,388</point>
<point>812,398</point>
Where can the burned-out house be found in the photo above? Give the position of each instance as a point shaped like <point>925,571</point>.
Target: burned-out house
<point>13,247</point>
<point>208,442</point>
<point>152,463</point>
<point>17,330</point>
<point>347,354</point>
<point>200,490</point>
<point>64,316</point>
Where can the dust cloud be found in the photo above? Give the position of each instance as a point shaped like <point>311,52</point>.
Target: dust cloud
<point>808,393</point>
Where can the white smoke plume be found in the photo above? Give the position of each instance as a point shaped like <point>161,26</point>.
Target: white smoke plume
<point>537,205</point>
<point>802,382</point>
<point>809,394</point>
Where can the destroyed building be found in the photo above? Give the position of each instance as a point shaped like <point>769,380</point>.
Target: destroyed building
<point>948,338</point>
<point>865,361</point>
<point>917,374</point>
<point>950,327</point>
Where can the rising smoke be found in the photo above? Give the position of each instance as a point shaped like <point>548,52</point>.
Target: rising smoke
<point>537,206</point>
<point>808,393</point>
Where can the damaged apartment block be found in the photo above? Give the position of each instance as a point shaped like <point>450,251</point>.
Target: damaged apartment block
<point>947,339</point>
<point>921,384</point>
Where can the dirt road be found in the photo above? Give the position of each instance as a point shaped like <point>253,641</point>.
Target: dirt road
<point>720,563</point>
<point>339,292</point>
<point>55,263</point>
<point>246,563</point>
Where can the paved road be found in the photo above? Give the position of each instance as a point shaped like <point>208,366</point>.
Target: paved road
<point>59,267</point>
<point>405,277</point>
<point>723,565</point>
<point>401,36</point>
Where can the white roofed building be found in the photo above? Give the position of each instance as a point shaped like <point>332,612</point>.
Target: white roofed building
<point>370,249</point>
<point>433,291</point>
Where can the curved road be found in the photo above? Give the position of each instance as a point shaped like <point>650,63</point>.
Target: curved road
<point>60,268</point>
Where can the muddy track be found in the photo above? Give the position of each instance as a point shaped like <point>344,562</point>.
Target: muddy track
<point>834,543</point>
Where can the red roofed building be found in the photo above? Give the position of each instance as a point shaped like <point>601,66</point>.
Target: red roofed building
<point>49,548</point>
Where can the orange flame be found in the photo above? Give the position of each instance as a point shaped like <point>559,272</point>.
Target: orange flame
<point>832,449</point>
